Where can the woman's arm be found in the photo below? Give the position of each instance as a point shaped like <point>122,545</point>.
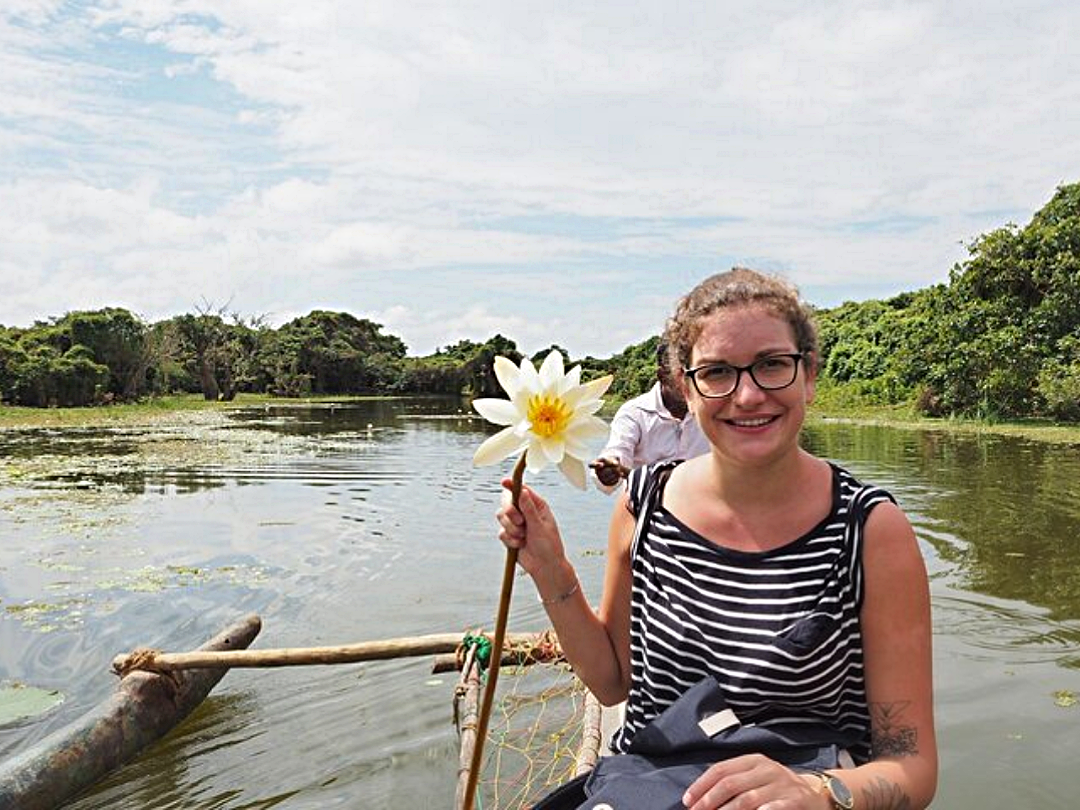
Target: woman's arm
<point>896,627</point>
<point>597,645</point>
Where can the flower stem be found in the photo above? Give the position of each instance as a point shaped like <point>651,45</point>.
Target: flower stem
<point>517,479</point>
<point>509,569</point>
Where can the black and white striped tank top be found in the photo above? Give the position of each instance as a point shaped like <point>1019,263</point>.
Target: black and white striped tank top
<point>778,629</point>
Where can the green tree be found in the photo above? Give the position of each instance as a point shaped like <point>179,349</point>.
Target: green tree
<point>42,366</point>
<point>479,370</point>
<point>12,359</point>
<point>1059,380</point>
<point>859,344</point>
<point>196,339</point>
<point>117,340</point>
<point>633,369</point>
<point>336,353</point>
<point>1008,309</point>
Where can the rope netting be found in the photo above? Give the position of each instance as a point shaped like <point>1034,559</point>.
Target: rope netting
<point>540,732</point>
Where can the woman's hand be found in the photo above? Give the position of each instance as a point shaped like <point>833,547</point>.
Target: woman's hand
<point>753,782</point>
<point>531,529</point>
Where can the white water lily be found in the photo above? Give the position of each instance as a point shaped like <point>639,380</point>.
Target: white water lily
<point>550,416</point>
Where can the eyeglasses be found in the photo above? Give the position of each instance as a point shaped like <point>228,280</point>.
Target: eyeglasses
<point>715,380</point>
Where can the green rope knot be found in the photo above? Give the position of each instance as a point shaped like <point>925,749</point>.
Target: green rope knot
<point>483,647</point>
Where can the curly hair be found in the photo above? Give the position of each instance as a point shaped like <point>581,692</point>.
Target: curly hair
<point>736,287</point>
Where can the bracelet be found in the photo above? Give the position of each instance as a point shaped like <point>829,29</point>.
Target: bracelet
<point>562,597</point>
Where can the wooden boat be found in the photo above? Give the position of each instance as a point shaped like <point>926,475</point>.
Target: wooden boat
<point>144,707</point>
<point>547,716</point>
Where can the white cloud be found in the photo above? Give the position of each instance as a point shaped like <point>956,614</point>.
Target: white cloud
<point>559,177</point>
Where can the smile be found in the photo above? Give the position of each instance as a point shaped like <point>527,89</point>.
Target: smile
<point>751,423</point>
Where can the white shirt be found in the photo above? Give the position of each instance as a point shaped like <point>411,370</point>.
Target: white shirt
<point>644,431</point>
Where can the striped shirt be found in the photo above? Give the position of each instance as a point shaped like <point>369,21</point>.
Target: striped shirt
<point>778,629</point>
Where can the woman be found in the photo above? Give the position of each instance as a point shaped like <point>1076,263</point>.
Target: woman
<point>800,590</point>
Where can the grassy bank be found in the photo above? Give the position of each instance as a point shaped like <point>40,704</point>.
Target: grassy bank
<point>828,406</point>
<point>834,403</point>
<point>1033,429</point>
<point>137,413</point>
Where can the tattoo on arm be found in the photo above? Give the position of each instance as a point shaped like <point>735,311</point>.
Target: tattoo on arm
<point>891,737</point>
<point>884,795</point>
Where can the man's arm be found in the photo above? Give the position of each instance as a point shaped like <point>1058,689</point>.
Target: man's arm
<point>616,459</point>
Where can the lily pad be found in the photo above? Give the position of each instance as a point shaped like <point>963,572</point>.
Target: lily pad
<point>19,701</point>
<point>1065,698</point>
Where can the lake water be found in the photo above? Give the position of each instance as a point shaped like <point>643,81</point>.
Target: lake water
<point>364,521</point>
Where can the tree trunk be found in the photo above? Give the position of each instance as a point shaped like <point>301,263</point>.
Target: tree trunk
<point>208,380</point>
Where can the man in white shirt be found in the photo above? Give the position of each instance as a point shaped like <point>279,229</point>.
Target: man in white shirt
<point>654,426</point>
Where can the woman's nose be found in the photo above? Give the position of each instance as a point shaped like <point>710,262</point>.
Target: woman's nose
<point>747,390</point>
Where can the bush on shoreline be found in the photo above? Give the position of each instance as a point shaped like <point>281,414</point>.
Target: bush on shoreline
<point>1000,341</point>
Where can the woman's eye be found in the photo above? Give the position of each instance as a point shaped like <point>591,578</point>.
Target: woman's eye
<point>713,373</point>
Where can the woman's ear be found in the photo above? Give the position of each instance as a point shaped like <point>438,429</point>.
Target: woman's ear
<point>686,389</point>
<point>810,367</point>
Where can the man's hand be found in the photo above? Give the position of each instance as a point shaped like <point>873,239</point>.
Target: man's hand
<point>609,471</point>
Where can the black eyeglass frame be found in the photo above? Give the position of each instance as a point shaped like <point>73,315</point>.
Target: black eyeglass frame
<point>739,370</point>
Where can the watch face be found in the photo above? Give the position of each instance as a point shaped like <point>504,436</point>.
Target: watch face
<point>840,794</point>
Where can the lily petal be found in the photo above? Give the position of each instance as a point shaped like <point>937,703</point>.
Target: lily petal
<point>571,380</point>
<point>584,428</point>
<point>589,407</point>
<point>576,446</point>
<point>508,375</point>
<point>551,371</point>
<point>499,411</point>
<point>591,390</point>
<point>598,387</point>
<point>495,448</point>
<point>554,448</point>
<point>528,377</point>
<point>535,459</point>
<point>574,470</point>
<point>587,427</point>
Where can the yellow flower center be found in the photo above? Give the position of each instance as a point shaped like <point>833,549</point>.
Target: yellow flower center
<point>548,415</point>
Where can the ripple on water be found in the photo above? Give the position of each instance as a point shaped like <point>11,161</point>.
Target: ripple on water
<point>1009,634</point>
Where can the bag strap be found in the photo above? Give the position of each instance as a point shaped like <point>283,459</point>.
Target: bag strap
<point>650,498</point>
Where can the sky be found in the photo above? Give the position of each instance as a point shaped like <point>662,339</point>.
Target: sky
<point>557,172</point>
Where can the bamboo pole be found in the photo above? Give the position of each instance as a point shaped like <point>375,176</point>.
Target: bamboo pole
<point>509,569</point>
<point>591,736</point>
<point>466,707</point>
<point>405,647</point>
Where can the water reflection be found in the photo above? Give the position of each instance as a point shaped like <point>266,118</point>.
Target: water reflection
<point>1011,506</point>
<point>248,446</point>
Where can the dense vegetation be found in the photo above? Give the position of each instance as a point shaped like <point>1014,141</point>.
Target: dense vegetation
<point>1000,340</point>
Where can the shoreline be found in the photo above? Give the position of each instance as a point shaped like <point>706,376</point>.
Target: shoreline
<point>163,409</point>
<point>1044,431</point>
<point>151,411</point>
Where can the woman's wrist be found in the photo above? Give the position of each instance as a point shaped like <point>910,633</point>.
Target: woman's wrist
<point>562,597</point>
<point>556,584</point>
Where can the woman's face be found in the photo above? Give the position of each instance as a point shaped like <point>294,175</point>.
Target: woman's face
<point>750,425</point>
